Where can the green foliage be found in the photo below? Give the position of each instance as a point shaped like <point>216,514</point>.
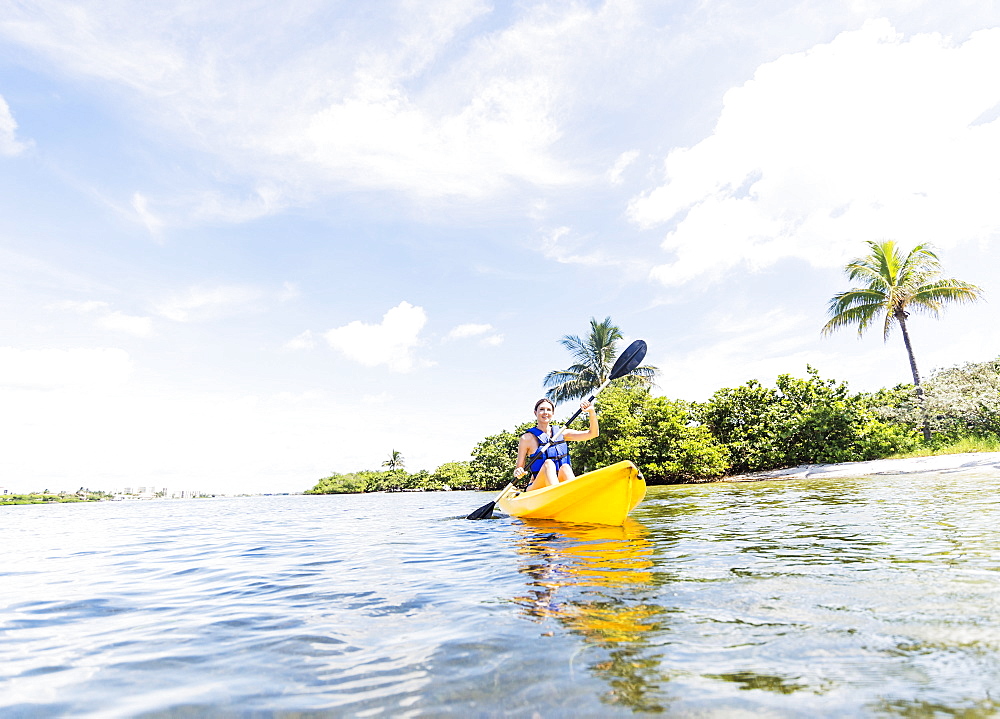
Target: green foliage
<point>677,448</point>
<point>343,483</point>
<point>46,497</point>
<point>453,475</point>
<point>742,420</point>
<point>961,401</point>
<point>742,429</point>
<point>363,481</point>
<point>961,445</point>
<point>801,421</point>
<point>492,465</point>
<point>658,435</point>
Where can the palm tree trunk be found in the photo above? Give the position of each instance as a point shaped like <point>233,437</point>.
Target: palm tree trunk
<point>901,316</point>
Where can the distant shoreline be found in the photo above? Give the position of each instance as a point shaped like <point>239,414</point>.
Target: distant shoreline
<point>967,463</point>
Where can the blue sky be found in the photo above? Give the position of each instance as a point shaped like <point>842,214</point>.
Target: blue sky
<point>244,246</point>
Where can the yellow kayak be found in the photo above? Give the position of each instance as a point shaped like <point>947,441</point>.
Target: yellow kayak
<point>604,496</point>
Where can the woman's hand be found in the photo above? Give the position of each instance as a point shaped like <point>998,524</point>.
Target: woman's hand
<point>587,407</point>
<point>519,472</point>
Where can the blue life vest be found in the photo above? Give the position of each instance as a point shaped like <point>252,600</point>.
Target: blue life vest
<point>558,452</point>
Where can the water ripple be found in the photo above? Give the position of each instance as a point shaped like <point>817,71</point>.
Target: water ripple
<point>871,596</point>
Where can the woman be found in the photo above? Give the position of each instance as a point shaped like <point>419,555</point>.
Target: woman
<point>551,466</point>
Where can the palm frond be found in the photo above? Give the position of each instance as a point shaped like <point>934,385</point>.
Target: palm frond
<point>562,375</point>
<point>593,355</point>
<point>866,272</point>
<point>894,284</point>
<point>573,389</point>
<point>861,315</point>
<point>851,298</point>
<point>947,290</point>
<point>645,372</point>
<point>576,347</point>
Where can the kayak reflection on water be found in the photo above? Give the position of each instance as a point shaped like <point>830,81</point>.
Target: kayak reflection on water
<point>595,581</point>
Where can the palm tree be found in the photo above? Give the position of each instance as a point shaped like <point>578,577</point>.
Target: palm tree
<point>895,285</point>
<point>395,461</point>
<point>595,355</point>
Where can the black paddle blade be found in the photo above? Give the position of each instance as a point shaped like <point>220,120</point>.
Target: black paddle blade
<point>484,512</point>
<point>629,359</point>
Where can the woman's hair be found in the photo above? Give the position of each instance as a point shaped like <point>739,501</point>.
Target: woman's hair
<point>544,399</point>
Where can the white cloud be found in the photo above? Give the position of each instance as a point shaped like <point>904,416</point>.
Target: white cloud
<point>48,369</point>
<point>130,324</point>
<point>304,341</point>
<point>25,271</point>
<point>733,348</point>
<point>389,343</point>
<point>209,303</point>
<point>108,319</point>
<point>80,306</point>
<point>308,397</point>
<point>867,137</point>
<point>472,329</point>
<point>9,144</point>
<point>751,342</point>
<point>621,164</point>
<point>212,205</point>
<point>441,99</point>
<point>562,245</point>
<point>289,291</point>
<point>384,103</point>
<point>379,136</point>
<point>141,206</point>
<point>468,330</point>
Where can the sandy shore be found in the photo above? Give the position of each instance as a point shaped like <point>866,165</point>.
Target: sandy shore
<point>969,463</point>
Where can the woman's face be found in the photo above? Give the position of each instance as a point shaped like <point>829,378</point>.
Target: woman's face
<point>544,411</point>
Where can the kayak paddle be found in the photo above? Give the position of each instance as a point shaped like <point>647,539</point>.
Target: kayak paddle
<point>626,362</point>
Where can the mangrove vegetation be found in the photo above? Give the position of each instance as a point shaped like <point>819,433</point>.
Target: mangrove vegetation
<point>753,427</point>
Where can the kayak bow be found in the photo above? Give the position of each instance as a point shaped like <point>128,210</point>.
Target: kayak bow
<point>604,496</point>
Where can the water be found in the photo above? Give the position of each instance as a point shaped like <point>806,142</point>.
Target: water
<point>827,597</point>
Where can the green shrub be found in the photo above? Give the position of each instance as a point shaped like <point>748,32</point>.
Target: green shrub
<point>391,480</point>
<point>801,421</point>
<point>492,465</point>
<point>658,435</point>
<point>451,475</point>
<point>961,401</point>
<point>363,481</point>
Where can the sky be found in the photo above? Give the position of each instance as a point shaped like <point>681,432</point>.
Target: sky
<point>244,246</point>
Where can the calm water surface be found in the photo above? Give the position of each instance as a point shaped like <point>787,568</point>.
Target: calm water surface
<point>830,597</point>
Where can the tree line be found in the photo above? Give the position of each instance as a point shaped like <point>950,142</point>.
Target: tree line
<point>751,428</point>
<point>47,497</point>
